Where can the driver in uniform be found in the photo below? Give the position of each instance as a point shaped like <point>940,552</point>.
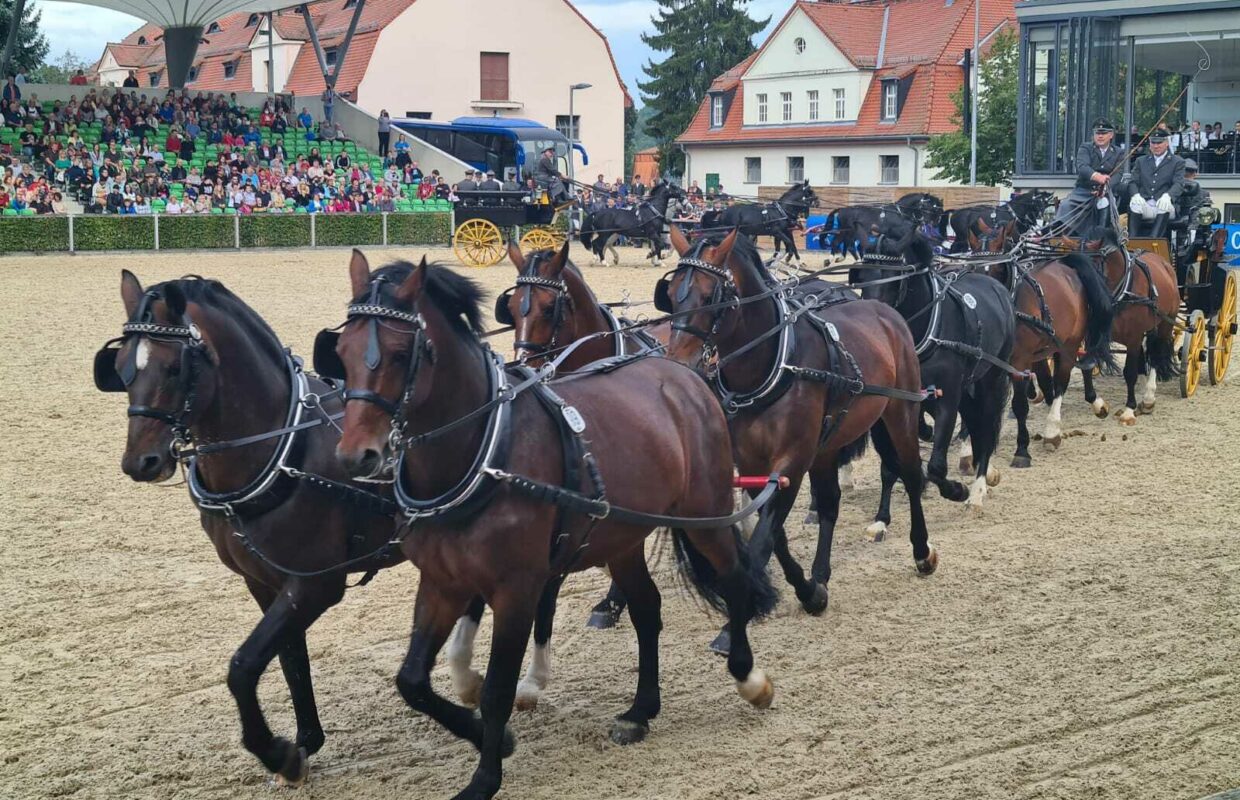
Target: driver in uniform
<point>547,176</point>
<point>1095,162</point>
<point>1157,183</point>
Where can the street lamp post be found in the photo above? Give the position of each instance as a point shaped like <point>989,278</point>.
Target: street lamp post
<point>572,126</point>
<point>973,87</point>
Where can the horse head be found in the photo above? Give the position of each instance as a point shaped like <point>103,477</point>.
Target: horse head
<point>539,306</point>
<point>699,291</point>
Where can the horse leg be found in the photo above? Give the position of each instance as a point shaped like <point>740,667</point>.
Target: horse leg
<point>286,616</point>
<point>295,663</point>
<point>1151,385</point>
<point>876,531</point>
<point>984,415</point>
<point>607,613</point>
<point>1132,367</point>
<point>466,681</point>
<point>514,605</point>
<point>824,480</point>
<point>944,428</point>
<point>965,465</point>
<point>1020,408</point>
<point>530,689</point>
<point>1100,407</point>
<point>633,577</point>
<point>615,254</point>
<point>435,612</point>
<point>895,439</point>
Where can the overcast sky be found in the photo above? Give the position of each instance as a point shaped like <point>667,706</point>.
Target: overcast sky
<point>84,29</point>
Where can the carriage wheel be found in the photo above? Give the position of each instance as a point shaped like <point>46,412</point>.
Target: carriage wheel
<point>478,243</point>
<point>1225,331</point>
<point>542,239</point>
<point>1191,349</point>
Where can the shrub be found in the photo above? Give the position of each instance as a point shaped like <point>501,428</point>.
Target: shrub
<point>34,235</point>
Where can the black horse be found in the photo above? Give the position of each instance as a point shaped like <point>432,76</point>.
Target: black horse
<point>779,219</point>
<point>965,328</point>
<point>600,228</point>
<point>848,229</point>
<point>1025,209</point>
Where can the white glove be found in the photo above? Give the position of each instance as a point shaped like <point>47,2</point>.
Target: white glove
<point>1137,204</point>
<point>1164,204</point>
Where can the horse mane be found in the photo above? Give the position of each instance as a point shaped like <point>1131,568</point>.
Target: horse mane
<point>210,293</point>
<point>455,295</point>
<point>1105,234</point>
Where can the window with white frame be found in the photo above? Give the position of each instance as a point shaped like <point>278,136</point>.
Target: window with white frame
<point>812,97</point>
<point>785,99</point>
<point>230,68</point>
<point>568,128</point>
<point>796,169</point>
<point>753,170</point>
<point>839,169</point>
<point>762,108</point>
<point>890,169</point>
<point>799,45</point>
<point>716,111</point>
<point>840,107</point>
<point>889,100</point>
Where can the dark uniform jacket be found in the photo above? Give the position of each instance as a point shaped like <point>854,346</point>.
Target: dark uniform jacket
<point>1089,159</point>
<point>545,170</point>
<point>467,185</point>
<point>489,185</point>
<point>1152,182</point>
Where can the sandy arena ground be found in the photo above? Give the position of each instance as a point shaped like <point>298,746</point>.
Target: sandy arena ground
<point>1078,641</point>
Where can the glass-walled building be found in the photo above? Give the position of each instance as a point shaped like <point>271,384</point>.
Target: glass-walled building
<point>1137,63</point>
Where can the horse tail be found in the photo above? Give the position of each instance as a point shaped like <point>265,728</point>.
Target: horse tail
<point>697,571</point>
<point>587,230</point>
<point>1158,351</point>
<point>852,452</point>
<point>1101,310</point>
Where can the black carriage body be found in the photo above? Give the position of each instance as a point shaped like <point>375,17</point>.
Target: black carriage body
<point>503,209</point>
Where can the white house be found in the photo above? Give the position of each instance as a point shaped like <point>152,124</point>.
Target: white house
<point>844,95</point>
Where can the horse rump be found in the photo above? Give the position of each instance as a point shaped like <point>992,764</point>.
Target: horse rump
<point>1158,354</point>
<point>1101,311</point>
<point>698,573</point>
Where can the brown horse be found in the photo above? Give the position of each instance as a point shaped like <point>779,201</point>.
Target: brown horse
<point>1060,304</point>
<point>200,366</point>
<point>1146,301</point>
<point>485,472</point>
<point>806,412</point>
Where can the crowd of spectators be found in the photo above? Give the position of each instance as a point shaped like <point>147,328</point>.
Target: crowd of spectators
<point>1216,151</point>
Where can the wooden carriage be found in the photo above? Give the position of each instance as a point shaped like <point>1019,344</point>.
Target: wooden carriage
<point>487,220</point>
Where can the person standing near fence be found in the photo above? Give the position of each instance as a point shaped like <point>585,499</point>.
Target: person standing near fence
<point>385,134</point>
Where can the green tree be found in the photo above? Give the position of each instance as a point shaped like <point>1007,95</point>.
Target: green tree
<point>996,122</point>
<point>630,137</point>
<point>702,38</point>
<point>31,47</point>
<point>61,70</point>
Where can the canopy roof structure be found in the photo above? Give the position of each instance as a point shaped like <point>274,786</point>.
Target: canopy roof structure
<point>183,22</point>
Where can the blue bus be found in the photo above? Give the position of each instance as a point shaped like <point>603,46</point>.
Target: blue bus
<point>508,145</point>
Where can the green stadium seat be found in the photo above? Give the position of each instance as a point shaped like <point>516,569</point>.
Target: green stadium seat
<point>217,211</point>
<point>26,212</point>
<point>9,212</point>
<point>230,211</point>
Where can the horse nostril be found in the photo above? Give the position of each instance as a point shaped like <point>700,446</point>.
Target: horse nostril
<point>149,464</point>
<point>369,463</point>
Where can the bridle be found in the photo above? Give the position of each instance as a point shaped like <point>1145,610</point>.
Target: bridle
<point>113,377</point>
<point>724,291</point>
<point>526,285</point>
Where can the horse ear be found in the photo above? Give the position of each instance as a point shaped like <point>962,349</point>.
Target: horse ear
<point>174,299</point>
<point>516,256</point>
<point>720,252</point>
<point>359,272</point>
<point>679,241</point>
<point>559,260</point>
<point>411,288</point>
<point>131,292</point>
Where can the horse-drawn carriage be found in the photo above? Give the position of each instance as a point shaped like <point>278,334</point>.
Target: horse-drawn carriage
<point>487,220</point>
<point>1208,289</point>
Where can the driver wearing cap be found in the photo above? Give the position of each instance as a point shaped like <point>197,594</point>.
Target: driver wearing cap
<point>1158,182</point>
<point>548,177</point>
<point>1095,162</point>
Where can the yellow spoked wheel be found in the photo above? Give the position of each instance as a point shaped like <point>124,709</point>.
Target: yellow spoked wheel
<point>542,239</point>
<point>1225,331</point>
<point>1191,351</point>
<point>478,243</point>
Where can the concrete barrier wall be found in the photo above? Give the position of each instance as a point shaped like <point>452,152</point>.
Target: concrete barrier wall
<point>363,128</point>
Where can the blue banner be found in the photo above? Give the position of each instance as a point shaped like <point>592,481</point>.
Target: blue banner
<point>1233,239</point>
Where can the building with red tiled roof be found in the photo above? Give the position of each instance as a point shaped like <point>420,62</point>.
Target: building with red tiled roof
<point>843,94</point>
<point>418,58</point>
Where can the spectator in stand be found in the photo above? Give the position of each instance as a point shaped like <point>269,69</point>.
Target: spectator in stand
<point>426,189</point>
<point>78,79</point>
<point>304,120</point>
<point>11,92</point>
<point>280,123</point>
<point>343,161</point>
<point>173,206</point>
<point>131,81</point>
<point>385,133</point>
<point>329,99</point>
<point>402,154</point>
<point>141,206</point>
<point>203,204</point>
<point>442,190</point>
<point>58,204</point>
<point>128,208</point>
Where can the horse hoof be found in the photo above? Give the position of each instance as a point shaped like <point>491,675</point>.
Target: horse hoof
<point>469,688</point>
<point>1037,398</point>
<point>603,618</point>
<point>527,696</point>
<point>811,518</point>
<point>927,565</point>
<point>966,465</point>
<point>1052,443</point>
<point>817,602</point>
<point>757,689</point>
<point>1145,408</point>
<point>1101,409</point>
<point>311,742</point>
<point>624,731</point>
<point>993,476</point>
<point>1127,418</point>
<point>876,531</point>
<point>1022,462</point>
<point>295,770</point>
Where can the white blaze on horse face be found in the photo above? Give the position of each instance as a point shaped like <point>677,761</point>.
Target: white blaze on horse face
<point>1053,417</point>
<point>143,356</point>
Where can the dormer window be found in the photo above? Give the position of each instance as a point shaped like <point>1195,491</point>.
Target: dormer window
<point>252,21</point>
<point>890,98</point>
<point>230,68</point>
<point>214,27</point>
<point>716,111</point>
<point>799,45</point>
<point>192,76</point>
<point>141,40</point>
<point>349,4</point>
<point>331,55</point>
